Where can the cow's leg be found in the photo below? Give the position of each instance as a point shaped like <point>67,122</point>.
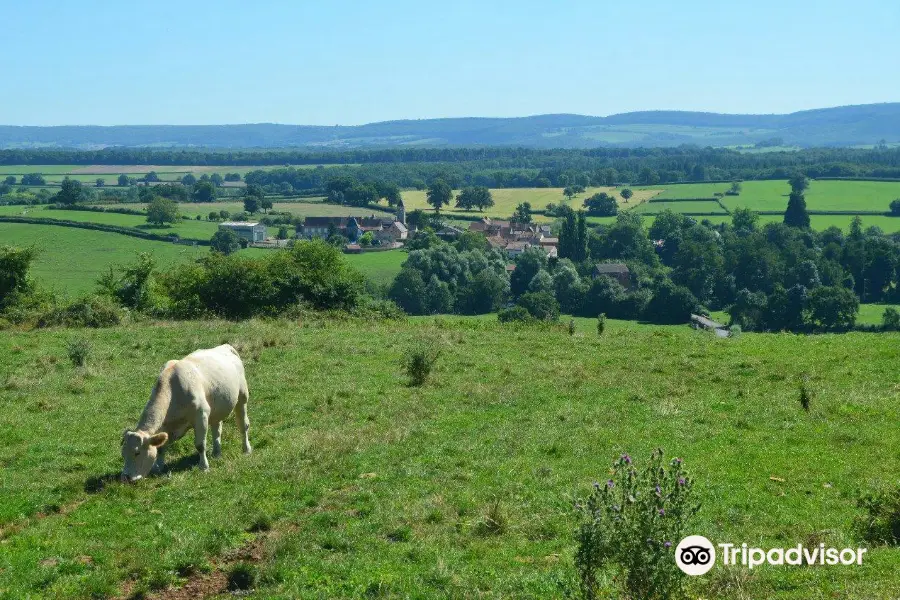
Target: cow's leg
<point>160,465</point>
<point>243,421</point>
<point>201,424</point>
<point>217,438</point>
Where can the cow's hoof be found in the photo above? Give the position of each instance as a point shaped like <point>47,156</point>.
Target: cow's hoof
<point>248,450</point>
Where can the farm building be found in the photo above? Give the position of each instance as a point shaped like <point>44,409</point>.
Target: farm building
<point>252,232</point>
<point>515,238</point>
<point>618,271</point>
<point>386,230</point>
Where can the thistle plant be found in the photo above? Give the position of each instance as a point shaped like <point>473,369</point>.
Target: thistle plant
<point>633,521</point>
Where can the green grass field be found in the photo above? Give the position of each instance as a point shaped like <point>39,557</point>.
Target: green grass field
<point>682,207</point>
<point>201,230</point>
<point>70,260</point>
<point>380,267</point>
<point>360,486</point>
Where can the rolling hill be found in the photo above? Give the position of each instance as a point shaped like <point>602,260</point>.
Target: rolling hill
<point>840,126</point>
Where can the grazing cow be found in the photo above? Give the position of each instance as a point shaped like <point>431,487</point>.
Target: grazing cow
<point>198,391</point>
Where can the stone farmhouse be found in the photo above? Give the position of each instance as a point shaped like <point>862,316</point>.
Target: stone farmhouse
<point>515,238</point>
<point>387,230</point>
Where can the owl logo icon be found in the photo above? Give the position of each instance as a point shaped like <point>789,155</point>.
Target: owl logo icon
<point>695,555</point>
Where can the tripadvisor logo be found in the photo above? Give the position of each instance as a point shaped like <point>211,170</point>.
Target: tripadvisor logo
<point>696,555</point>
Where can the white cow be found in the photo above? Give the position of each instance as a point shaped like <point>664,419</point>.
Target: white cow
<point>198,391</point>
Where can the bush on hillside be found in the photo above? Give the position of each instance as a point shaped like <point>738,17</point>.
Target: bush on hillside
<point>540,305</point>
<point>89,311</point>
<point>312,273</point>
<point>419,361</point>
<point>514,314</point>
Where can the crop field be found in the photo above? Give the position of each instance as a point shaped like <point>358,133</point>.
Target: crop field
<point>89,174</point>
<point>362,486</point>
<point>506,200</point>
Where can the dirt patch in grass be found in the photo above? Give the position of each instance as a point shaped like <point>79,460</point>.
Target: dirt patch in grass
<point>204,585</point>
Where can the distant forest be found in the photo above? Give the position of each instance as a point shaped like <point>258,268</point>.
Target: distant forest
<point>501,167</point>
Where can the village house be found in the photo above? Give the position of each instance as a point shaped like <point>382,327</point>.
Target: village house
<point>618,271</point>
<point>515,238</point>
<point>387,230</point>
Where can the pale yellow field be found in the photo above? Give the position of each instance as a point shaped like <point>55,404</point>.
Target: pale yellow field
<point>506,200</point>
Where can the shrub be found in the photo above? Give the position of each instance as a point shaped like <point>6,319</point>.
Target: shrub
<point>79,350</point>
<point>734,331</point>
<point>895,207</point>
<point>540,305</point>
<point>419,362</point>
<point>805,394</point>
<point>90,311</point>
<point>881,522</point>
<point>633,521</point>
<point>571,326</point>
<point>601,323</point>
<point>513,314</point>
<point>890,320</point>
<point>225,241</point>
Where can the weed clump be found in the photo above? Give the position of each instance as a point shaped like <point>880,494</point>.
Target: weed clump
<point>881,522</point>
<point>633,522</point>
<point>601,323</point>
<point>494,521</point>
<point>420,360</point>
<point>242,576</point>
<point>79,349</point>
<point>805,394</point>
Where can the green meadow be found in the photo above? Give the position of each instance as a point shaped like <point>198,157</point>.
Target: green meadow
<point>361,486</point>
<point>691,206</point>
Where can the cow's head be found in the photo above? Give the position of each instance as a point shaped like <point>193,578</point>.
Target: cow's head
<point>139,452</point>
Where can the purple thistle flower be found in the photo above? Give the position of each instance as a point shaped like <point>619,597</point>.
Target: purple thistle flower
<point>662,512</point>
<point>658,491</point>
<point>681,481</point>
<point>668,544</point>
<point>596,486</point>
<point>626,458</point>
<point>610,484</point>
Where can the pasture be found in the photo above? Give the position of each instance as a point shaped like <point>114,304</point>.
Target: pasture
<point>361,486</point>
<point>70,260</point>
<point>380,267</point>
<point>691,206</point>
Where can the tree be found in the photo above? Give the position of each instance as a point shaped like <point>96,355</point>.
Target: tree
<point>216,179</point>
<point>225,241</point>
<point>528,264</point>
<point>485,293</point>
<point>10,180</point>
<point>188,180</point>
<point>832,308</point>
<point>895,206</point>
<point>474,197</point>
<point>100,182</point>
<point>213,215</point>
<point>360,194</point>
<point>14,281</point>
<point>735,189</point>
<point>472,240</point>
<point>438,298</point>
<point>389,191</point>
<point>204,191</point>
<point>408,291</point>
<point>572,190</point>
<point>796,215</point>
<point>671,304</point>
<point>439,194</point>
<point>266,204</point>
<point>33,179</point>
<point>251,204</point>
<point>366,239</point>
<point>123,180</point>
<point>162,210</point>
<point>283,232</point>
<point>890,319</point>
<point>626,193</point>
<point>744,219</point>
<point>799,183</point>
<point>540,305</point>
<point>522,213</point>
<point>151,177</point>
<point>602,204</point>
<point>232,176</point>
<point>70,192</point>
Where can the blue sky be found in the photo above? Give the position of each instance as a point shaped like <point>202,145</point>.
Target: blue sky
<point>334,62</point>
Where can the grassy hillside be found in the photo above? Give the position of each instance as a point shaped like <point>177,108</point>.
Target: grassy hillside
<point>362,486</point>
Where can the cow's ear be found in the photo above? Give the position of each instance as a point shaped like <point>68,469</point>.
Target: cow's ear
<point>159,439</point>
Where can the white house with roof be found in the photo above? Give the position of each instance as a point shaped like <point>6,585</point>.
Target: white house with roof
<point>250,231</point>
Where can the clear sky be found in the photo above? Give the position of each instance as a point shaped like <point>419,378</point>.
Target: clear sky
<point>328,62</point>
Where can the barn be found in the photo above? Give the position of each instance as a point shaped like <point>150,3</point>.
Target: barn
<point>252,232</point>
